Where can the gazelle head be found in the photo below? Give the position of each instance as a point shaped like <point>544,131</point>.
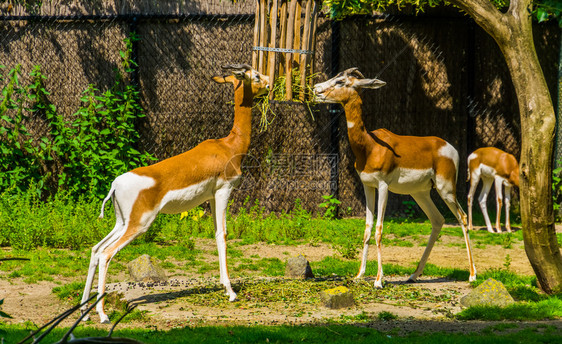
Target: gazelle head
<point>344,86</point>
<point>243,74</point>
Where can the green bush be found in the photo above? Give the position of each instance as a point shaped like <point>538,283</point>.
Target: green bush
<point>81,154</point>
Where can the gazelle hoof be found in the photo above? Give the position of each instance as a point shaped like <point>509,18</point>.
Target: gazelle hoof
<point>232,297</point>
<point>104,319</point>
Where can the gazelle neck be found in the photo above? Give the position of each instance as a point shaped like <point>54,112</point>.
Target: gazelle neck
<point>242,129</point>
<point>358,135</point>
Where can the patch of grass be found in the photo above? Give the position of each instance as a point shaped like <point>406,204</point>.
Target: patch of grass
<point>45,264</point>
<point>70,292</point>
<point>345,334</point>
<point>387,316</point>
<point>546,309</point>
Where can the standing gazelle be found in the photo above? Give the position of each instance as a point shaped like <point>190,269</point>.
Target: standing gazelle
<point>492,165</point>
<point>401,164</point>
<point>207,172</point>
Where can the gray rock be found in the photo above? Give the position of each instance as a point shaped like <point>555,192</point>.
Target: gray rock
<point>298,267</point>
<point>340,297</point>
<point>146,269</point>
<point>489,293</point>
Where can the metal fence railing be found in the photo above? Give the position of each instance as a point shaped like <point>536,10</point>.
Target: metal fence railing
<point>445,77</point>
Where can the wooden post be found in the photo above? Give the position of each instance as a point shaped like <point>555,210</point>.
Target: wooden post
<point>297,32</point>
<point>283,35</point>
<point>263,35</point>
<point>256,36</point>
<point>305,46</point>
<point>283,18</point>
<point>272,44</point>
<point>289,45</point>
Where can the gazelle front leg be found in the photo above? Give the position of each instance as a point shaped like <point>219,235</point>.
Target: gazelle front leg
<point>370,200</point>
<point>383,198</point>
<point>219,212</point>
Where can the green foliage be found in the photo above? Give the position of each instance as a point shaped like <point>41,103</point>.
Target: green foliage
<point>557,191</point>
<point>330,206</point>
<point>548,9</point>
<point>543,10</point>
<point>80,154</point>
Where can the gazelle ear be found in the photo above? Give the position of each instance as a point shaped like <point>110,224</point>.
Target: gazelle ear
<point>238,70</point>
<point>369,83</point>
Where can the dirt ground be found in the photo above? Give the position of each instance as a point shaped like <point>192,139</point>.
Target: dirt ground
<point>166,306</point>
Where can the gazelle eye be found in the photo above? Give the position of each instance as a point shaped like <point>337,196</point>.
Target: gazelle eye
<point>339,83</point>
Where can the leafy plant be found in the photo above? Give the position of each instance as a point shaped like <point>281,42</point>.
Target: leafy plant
<point>80,154</point>
<point>330,206</point>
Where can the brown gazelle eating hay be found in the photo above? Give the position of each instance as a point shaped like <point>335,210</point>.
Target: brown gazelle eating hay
<point>401,164</point>
<point>492,165</point>
<point>208,172</point>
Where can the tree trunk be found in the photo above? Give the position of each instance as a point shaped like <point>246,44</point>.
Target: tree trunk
<point>537,142</point>
<point>513,33</point>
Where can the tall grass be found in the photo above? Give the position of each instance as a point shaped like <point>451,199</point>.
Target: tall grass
<point>26,222</point>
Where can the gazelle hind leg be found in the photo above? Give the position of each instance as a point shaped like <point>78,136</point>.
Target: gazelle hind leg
<point>499,200</point>
<point>451,201</point>
<point>423,199</point>
<point>507,207</point>
<point>220,206</point>
<point>474,179</point>
<point>114,235</point>
<point>111,249</point>
<point>369,218</point>
<point>483,198</point>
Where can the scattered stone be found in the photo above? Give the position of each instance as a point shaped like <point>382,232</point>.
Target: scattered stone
<point>489,293</point>
<point>340,297</point>
<point>146,269</point>
<point>298,267</point>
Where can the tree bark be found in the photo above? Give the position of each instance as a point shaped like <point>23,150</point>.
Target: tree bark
<point>513,33</point>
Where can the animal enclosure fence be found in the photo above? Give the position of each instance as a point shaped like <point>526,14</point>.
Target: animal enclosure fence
<point>445,77</point>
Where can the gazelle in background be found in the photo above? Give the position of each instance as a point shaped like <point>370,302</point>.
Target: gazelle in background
<point>401,164</point>
<point>492,165</point>
<point>208,172</point>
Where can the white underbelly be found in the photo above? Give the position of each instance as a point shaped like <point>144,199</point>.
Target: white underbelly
<point>402,180</point>
<point>180,200</point>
